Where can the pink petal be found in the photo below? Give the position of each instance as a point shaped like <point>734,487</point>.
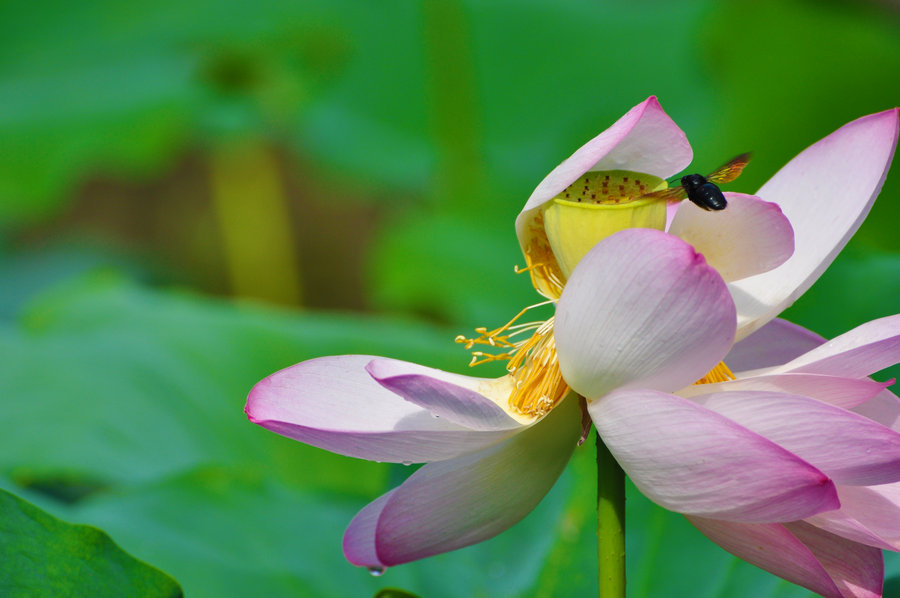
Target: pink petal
<point>642,308</point>
<point>451,396</point>
<point>883,408</point>
<point>864,350</point>
<point>451,504</point>
<point>671,211</point>
<point>835,390</point>
<point>802,554</point>
<point>644,140</point>
<point>868,514</point>
<point>333,403</point>
<point>770,546</point>
<point>849,448</point>
<point>749,237</point>
<point>359,539</point>
<point>857,570</point>
<point>826,192</point>
<point>776,343</point>
<point>692,460</point>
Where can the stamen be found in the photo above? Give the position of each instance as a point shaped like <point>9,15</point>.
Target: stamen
<point>541,264</point>
<point>523,328</point>
<point>720,373</point>
<point>519,270</point>
<point>537,382</point>
<point>496,338</point>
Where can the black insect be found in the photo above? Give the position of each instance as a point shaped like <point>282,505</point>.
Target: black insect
<point>703,190</point>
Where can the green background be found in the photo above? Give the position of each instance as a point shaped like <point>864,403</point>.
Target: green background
<point>196,194</point>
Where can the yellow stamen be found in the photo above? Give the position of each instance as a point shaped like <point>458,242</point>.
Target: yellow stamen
<point>538,385</point>
<point>720,373</point>
<point>546,277</point>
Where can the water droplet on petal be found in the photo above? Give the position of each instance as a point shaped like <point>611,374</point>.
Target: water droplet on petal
<point>377,571</point>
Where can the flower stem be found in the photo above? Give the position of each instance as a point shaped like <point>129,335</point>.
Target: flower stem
<point>610,524</point>
<point>249,199</point>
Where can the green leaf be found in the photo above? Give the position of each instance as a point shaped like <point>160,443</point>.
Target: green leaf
<point>29,273</point>
<point>394,593</point>
<point>224,531</point>
<point>43,556</point>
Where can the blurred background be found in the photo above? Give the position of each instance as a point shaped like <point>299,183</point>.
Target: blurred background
<point>195,194</point>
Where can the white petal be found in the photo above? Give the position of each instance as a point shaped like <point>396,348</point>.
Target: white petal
<point>857,569</point>
<point>333,403</point>
<point>862,351</point>
<point>826,192</point>
<point>692,460</point>
<point>749,237</point>
<point>770,546</point>
<point>451,504</point>
<point>642,309</point>
<point>775,344</point>
<point>848,447</point>
<point>835,390</point>
<point>460,399</point>
<point>868,514</point>
<point>883,408</point>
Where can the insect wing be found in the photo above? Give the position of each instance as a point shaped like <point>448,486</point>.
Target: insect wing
<point>670,194</point>
<point>730,171</point>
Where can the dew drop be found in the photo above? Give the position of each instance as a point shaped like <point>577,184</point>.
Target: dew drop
<point>377,571</point>
<point>407,463</point>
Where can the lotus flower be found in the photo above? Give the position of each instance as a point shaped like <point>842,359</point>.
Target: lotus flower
<point>639,314</point>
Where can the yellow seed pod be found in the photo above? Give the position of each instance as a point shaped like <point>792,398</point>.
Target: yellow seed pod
<point>596,206</point>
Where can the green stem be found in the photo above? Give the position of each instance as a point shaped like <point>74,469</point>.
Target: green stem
<point>610,524</point>
<point>251,206</point>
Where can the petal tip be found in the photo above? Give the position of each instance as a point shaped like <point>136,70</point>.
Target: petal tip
<point>830,499</point>
<point>372,369</point>
<point>252,401</point>
<point>697,259</point>
<point>884,122</point>
<point>359,543</point>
